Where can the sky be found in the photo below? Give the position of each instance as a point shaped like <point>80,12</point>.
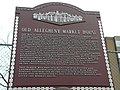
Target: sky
<point>109,11</point>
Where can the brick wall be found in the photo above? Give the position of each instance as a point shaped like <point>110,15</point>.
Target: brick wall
<point>113,62</point>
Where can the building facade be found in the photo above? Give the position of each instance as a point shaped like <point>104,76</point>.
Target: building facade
<point>113,48</point>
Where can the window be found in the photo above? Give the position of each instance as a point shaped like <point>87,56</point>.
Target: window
<point>117,43</point>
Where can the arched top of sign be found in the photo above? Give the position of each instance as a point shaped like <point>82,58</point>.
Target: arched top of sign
<point>58,13</point>
<point>41,6</point>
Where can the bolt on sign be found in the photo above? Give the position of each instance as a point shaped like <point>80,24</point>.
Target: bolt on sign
<point>58,46</point>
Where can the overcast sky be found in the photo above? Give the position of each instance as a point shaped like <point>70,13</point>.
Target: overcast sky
<point>109,11</point>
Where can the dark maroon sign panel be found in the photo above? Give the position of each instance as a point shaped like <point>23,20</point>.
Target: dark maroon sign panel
<point>58,45</point>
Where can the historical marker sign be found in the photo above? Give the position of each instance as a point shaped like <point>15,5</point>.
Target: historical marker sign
<point>58,45</point>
